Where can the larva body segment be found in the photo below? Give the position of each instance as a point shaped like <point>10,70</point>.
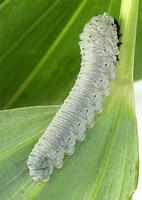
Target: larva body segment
<point>81,109</point>
<point>86,110</point>
<point>99,51</point>
<point>66,140</point>
<point>77,125</point>
<point>100,83</point>
<point>52,148</point>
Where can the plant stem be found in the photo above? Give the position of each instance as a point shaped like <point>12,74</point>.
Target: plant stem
<point>128,26</point>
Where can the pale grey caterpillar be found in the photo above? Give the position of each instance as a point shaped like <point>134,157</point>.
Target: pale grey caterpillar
<point>99,51</point>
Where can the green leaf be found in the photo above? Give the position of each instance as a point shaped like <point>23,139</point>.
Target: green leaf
<point>33,48</point>
<point>39,41</point>
<point>19,130</point>
<point>138,57</point>
<point>1,1</point>
<point>105,164</point>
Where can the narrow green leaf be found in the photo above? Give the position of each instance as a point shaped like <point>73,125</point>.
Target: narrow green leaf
<point>100,167</point>
<point>19,130</point>
<point>1,1</point>
<point>138,57</point>
<point>128,24</point>
<point>39,41</point>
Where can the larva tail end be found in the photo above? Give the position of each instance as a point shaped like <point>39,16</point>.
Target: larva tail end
<point>40,168</point>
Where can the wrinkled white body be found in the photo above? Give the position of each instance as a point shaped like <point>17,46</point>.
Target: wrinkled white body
<point>99,52</point>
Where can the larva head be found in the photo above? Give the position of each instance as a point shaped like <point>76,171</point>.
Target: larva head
<point>40,167</point>
<point>111,24</point>
<point>98,20</point>
<point>103,29</point>
<point>95,20</point>
<point>108,19</point>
